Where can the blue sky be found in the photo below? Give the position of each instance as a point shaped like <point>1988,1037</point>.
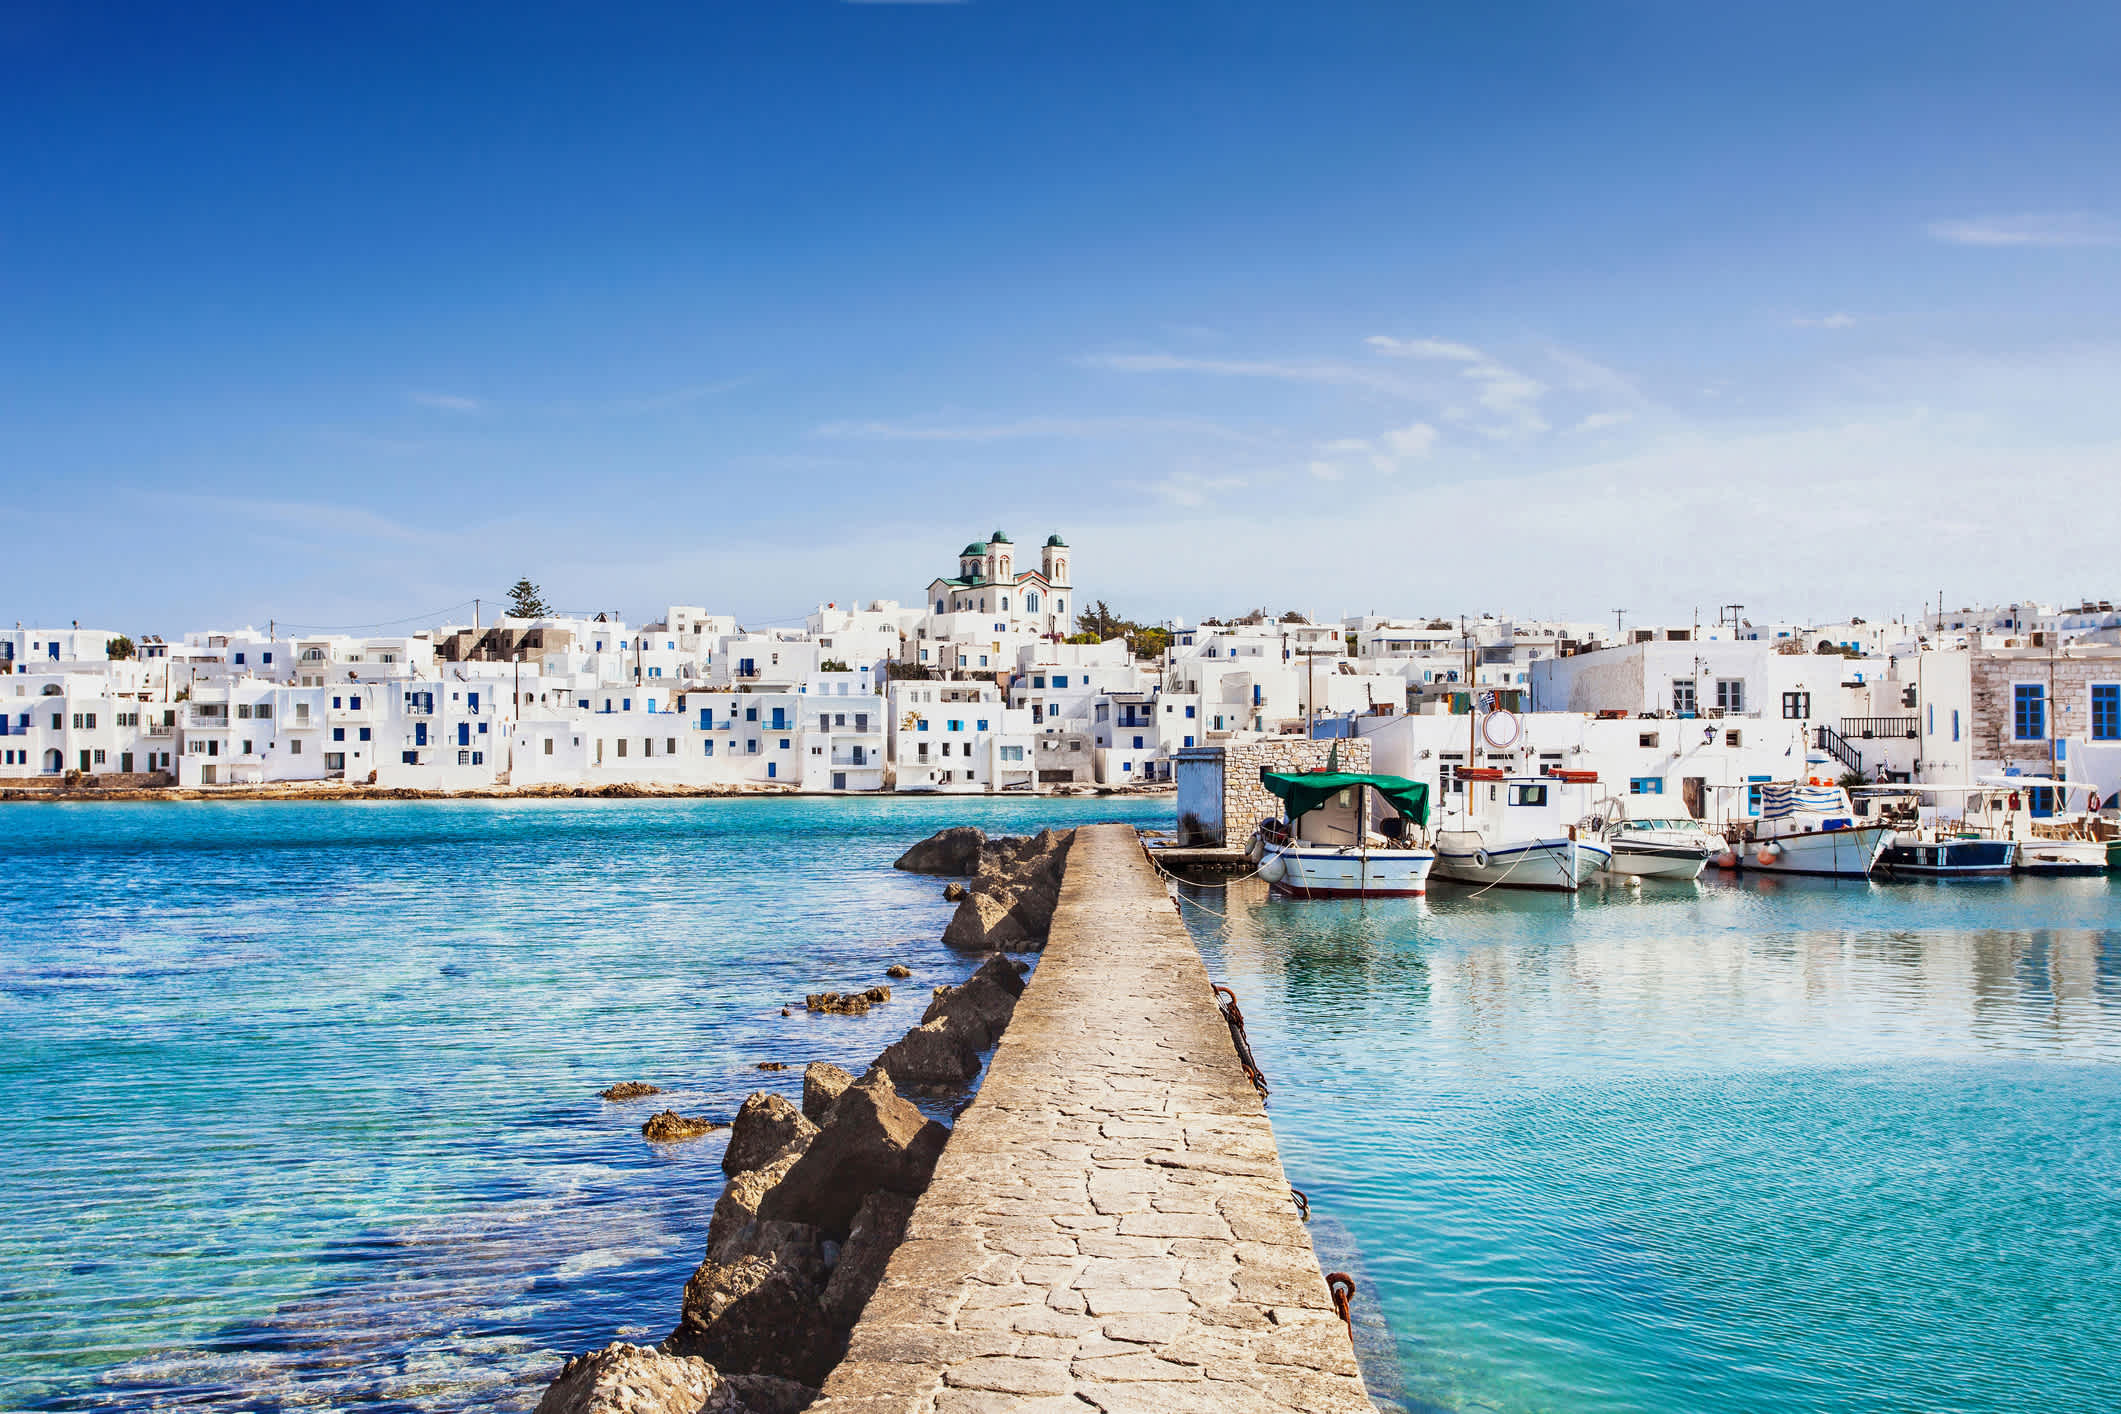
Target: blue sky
<point>337,319</point>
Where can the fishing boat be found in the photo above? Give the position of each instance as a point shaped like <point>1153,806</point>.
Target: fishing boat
<point>1348,834</point>
<point>1654,846</point>
<point>1812,830</point>
<point>2058,845</point>
<point>1940,841</point>
<point>1514,832</point>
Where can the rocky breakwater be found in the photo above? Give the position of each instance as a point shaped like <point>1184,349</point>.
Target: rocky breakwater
<point>1010,885</point>
<point>819,1195</point>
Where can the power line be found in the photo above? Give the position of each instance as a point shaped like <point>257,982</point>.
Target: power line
<point>430,617</point>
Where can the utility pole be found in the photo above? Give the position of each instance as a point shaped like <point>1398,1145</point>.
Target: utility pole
<point>1616,624</point>
<point>474,620</point>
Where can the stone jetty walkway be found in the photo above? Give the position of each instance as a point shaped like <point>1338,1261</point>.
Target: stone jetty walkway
<point>1109,1228</point>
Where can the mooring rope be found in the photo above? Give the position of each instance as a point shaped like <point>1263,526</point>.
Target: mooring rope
<point>1341,1287</point>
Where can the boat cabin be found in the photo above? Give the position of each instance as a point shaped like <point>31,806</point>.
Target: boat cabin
<point>1349,808</point>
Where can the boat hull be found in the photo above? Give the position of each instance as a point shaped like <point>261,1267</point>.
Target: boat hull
<point>1562,864</point>
<point>1657,861</point>
<point>2059,859</point>
<point>1835,854</point>
<point>1949,859</point>
<point>1327,871</point>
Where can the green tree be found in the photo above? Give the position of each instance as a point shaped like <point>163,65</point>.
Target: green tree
<point>119,647</point>
<point>527,601</point>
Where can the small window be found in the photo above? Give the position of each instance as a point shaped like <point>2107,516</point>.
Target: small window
<point>2028,712</point>
<point>1796,706</point>
<point>1528,795</point>
<point>1646,785</point>
<point>1646,739</point>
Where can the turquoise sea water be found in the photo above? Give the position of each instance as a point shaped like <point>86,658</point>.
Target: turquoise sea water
<point>298,1102</point>
<point>1734,1146</point>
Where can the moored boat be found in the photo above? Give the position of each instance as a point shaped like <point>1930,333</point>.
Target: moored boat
<point>1349,835</point>
<point>1810,830</point>
<point>1942,856</point>
<point>1654,847</point>
<point>1511,833</point>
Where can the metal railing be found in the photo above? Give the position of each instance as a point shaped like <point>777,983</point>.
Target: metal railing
<point>1834,744</point>
<point>1873,728</point>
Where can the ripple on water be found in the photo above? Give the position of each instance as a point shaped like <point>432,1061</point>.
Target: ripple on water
<point>301,1101</point>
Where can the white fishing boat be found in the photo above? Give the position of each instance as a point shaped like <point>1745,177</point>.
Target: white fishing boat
<point>2058,842</point>
<point>1940,840</point>
<point>1654,846</point>
<point>1515,832</point>
<point>1813,830</point>
<point>1348,835</point>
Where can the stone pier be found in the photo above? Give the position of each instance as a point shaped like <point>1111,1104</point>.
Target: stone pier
<point>1109,1228</point>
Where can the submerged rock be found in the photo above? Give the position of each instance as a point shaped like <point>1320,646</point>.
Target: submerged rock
<point>822,1084</point>
<point>634,1379</point>
<point>876,996</point>
<point>629,1090</point>
<point>837,1003</point>
<point>898,970</point>
<point>765,1126</point>
<point>952,892</point>
<point>872,1140</point>
<point>773,1065</point>
<point>668,1126</point>
<point>952,851</point>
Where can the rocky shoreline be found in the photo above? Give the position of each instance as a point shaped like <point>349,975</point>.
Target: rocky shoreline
<point>819,1196</point>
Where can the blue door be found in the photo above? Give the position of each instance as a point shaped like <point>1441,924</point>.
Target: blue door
<point>773,768</point>
<point>419,733</point>
<point>780,719</point>
<point>473,699</point>
<point>463,733</point>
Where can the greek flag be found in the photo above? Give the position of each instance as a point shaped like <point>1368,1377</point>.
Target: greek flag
<point>1486,701</point>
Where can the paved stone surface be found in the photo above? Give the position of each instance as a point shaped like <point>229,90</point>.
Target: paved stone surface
<point>1109,1228</point>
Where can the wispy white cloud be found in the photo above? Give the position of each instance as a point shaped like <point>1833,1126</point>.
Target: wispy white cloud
<point>1327,371</point>
<point>1598,421</point>
<point>1416,439</point>
<point>447,402</point>
<point>1502,390</point>
<point>1327,471</point>
<point>1385,454</point>
<point>1024,428</point>
<point>2033,228</point>
<point>1836,320</point>
<point>676,397</point>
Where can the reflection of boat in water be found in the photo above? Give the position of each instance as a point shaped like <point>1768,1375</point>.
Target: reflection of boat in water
<point>1512,832</point>
<point>1328,847</point>
<point>1810,830</point>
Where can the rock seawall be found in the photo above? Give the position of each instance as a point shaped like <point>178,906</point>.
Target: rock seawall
<point>818,1199</point>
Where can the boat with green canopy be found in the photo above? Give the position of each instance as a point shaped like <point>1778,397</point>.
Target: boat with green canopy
<point>1349,834</point>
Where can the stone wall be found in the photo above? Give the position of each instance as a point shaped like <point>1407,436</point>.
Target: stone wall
<point>1246,801</point>
<point>2072,671</point>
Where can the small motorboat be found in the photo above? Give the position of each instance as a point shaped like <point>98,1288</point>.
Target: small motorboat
<point>1349,835</point>
<point>1655,846</point>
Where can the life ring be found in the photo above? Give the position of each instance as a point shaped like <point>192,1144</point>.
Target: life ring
<point>2014,800</point>
<point>2092,803</point>
<point>1480,859</point>
<point>1487,729</point>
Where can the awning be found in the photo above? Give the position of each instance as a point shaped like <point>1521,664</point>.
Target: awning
<point>1306,791</point>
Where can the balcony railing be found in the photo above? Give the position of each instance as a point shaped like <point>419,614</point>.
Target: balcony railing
<point>1875,728</point>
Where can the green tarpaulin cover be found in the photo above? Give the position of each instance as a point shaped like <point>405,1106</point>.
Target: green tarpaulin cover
<point>1306,791</point>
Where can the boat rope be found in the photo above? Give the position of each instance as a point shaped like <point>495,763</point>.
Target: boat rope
<point>1506,873</point>
<point>1236,1020</point>
<point>1341,1287</point>
<point>1302,1201</point>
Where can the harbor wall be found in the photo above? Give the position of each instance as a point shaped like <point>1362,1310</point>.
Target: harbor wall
<point>1109,1226</point>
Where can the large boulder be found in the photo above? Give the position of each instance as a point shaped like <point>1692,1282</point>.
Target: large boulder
<point>879,1227</point>
<point>765,1125</point>
<point>633,1379</point>
<point>931,1055</point>
<point>668,1127</point>
<point>756,1316</point>
<point>984,923</point>
<point>978,1010</point>
<point>952,851</point>
<point>823,1083</point>
<point>736,1212</point>
<point>872,1140</point>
